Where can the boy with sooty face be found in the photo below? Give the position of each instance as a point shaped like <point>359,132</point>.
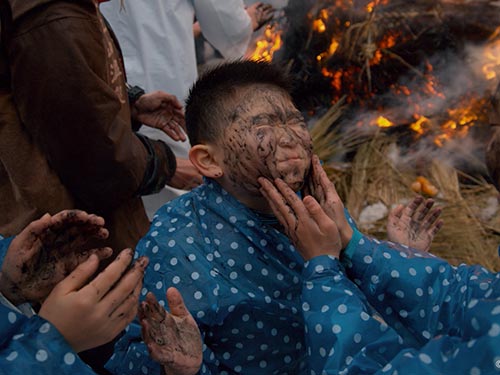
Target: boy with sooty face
<point>221,245</point>
<point>267,136</point>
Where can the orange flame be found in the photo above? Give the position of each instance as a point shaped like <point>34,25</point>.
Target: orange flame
<point>319,26</point>
<point>268,44</point>
<point>371,5</point>
<point>319,23</point>
<point>383,122</point>
<point>454,123</point>
<point>460,120</point>
<point>334,45</point>
<point>492,55</point>
<point>419,126</point>
<point>457,124</point>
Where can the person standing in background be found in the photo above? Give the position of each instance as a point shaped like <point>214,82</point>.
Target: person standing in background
<point>158,46</point>
<point>66,139</point>
<point>66,136</point>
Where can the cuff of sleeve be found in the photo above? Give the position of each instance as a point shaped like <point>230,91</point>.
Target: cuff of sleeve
<point>24,308</point>
<point>319,265</point>
<point>161,166</point>
<point>351,247</point>
<point>136,125</point>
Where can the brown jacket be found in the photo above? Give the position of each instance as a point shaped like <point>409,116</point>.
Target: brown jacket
<point>66,139</point>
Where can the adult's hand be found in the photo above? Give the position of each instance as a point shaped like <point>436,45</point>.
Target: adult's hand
<point>320,187</point>
<point>307,225</point>
<point>46,251</point>
<point>415,224</point>
<point>186,175</point>
<point>90,315</point>
<point>173,338</point>
<point>162,111</point>
<point>260,14</point>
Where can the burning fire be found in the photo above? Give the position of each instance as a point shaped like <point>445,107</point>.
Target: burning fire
<point>331,50</point>
<point>372,4</point>
<point>382,122</point>
<point>455,123</point>
<point>492,54</point>
<point>421,99</point>
<point>421,125</point>
<point>268,44</point>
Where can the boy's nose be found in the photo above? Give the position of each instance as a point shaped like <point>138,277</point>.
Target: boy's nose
<point>286,137</point>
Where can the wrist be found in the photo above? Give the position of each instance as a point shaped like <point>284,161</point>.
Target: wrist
<point>134,93</point>
<point>352,245</point>
<point>346,236</point>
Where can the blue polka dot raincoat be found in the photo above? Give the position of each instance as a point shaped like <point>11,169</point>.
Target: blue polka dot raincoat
<point>405,313</point>
<point>240,278</point>
<point>256,302</point>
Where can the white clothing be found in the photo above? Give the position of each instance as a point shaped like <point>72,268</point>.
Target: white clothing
<point>157,42</point>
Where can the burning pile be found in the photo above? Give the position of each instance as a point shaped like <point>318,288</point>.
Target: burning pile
<point>391,85</point>
<point>427,65</point>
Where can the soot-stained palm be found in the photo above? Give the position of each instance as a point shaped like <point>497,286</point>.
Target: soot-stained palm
<point>415,224</point>
<point>173,338</point>
<point>47,251</point>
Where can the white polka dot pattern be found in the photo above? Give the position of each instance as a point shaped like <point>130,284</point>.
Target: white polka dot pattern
<point>408,313</point>
<point>240,278</point>
<point>251,294</point>
<point>33,343</point>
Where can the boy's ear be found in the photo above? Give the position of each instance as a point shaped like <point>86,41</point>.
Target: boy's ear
<point>204,158</point>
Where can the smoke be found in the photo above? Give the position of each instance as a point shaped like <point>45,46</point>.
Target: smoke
<point>433,85</point>
<point>458,83</point>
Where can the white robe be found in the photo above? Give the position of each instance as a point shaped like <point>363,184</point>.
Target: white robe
<point>157,42</point>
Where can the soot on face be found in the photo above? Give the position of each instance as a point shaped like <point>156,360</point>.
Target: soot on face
<point>267,137</point>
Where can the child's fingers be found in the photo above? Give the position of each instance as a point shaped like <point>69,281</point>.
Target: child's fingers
<point>176,303</point>
<point>291,198</point>
<point>100,286</point>
<point>276,202</point>
<point>316,212</point>
<point>80,275</point>
<point>396,212</point>
<point>125,286</point>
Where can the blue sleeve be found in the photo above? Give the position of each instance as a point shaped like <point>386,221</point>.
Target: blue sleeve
<point>34,346</point>
<point>131,355</point>
<point>425,293</point>
<point>342,329</point>
<point>442,355</point>
<point>346,336</point>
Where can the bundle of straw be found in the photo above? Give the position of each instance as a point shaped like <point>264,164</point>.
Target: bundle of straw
<point>468,236</point>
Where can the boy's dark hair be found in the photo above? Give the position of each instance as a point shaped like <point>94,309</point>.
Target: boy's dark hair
<point>214,89</point>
